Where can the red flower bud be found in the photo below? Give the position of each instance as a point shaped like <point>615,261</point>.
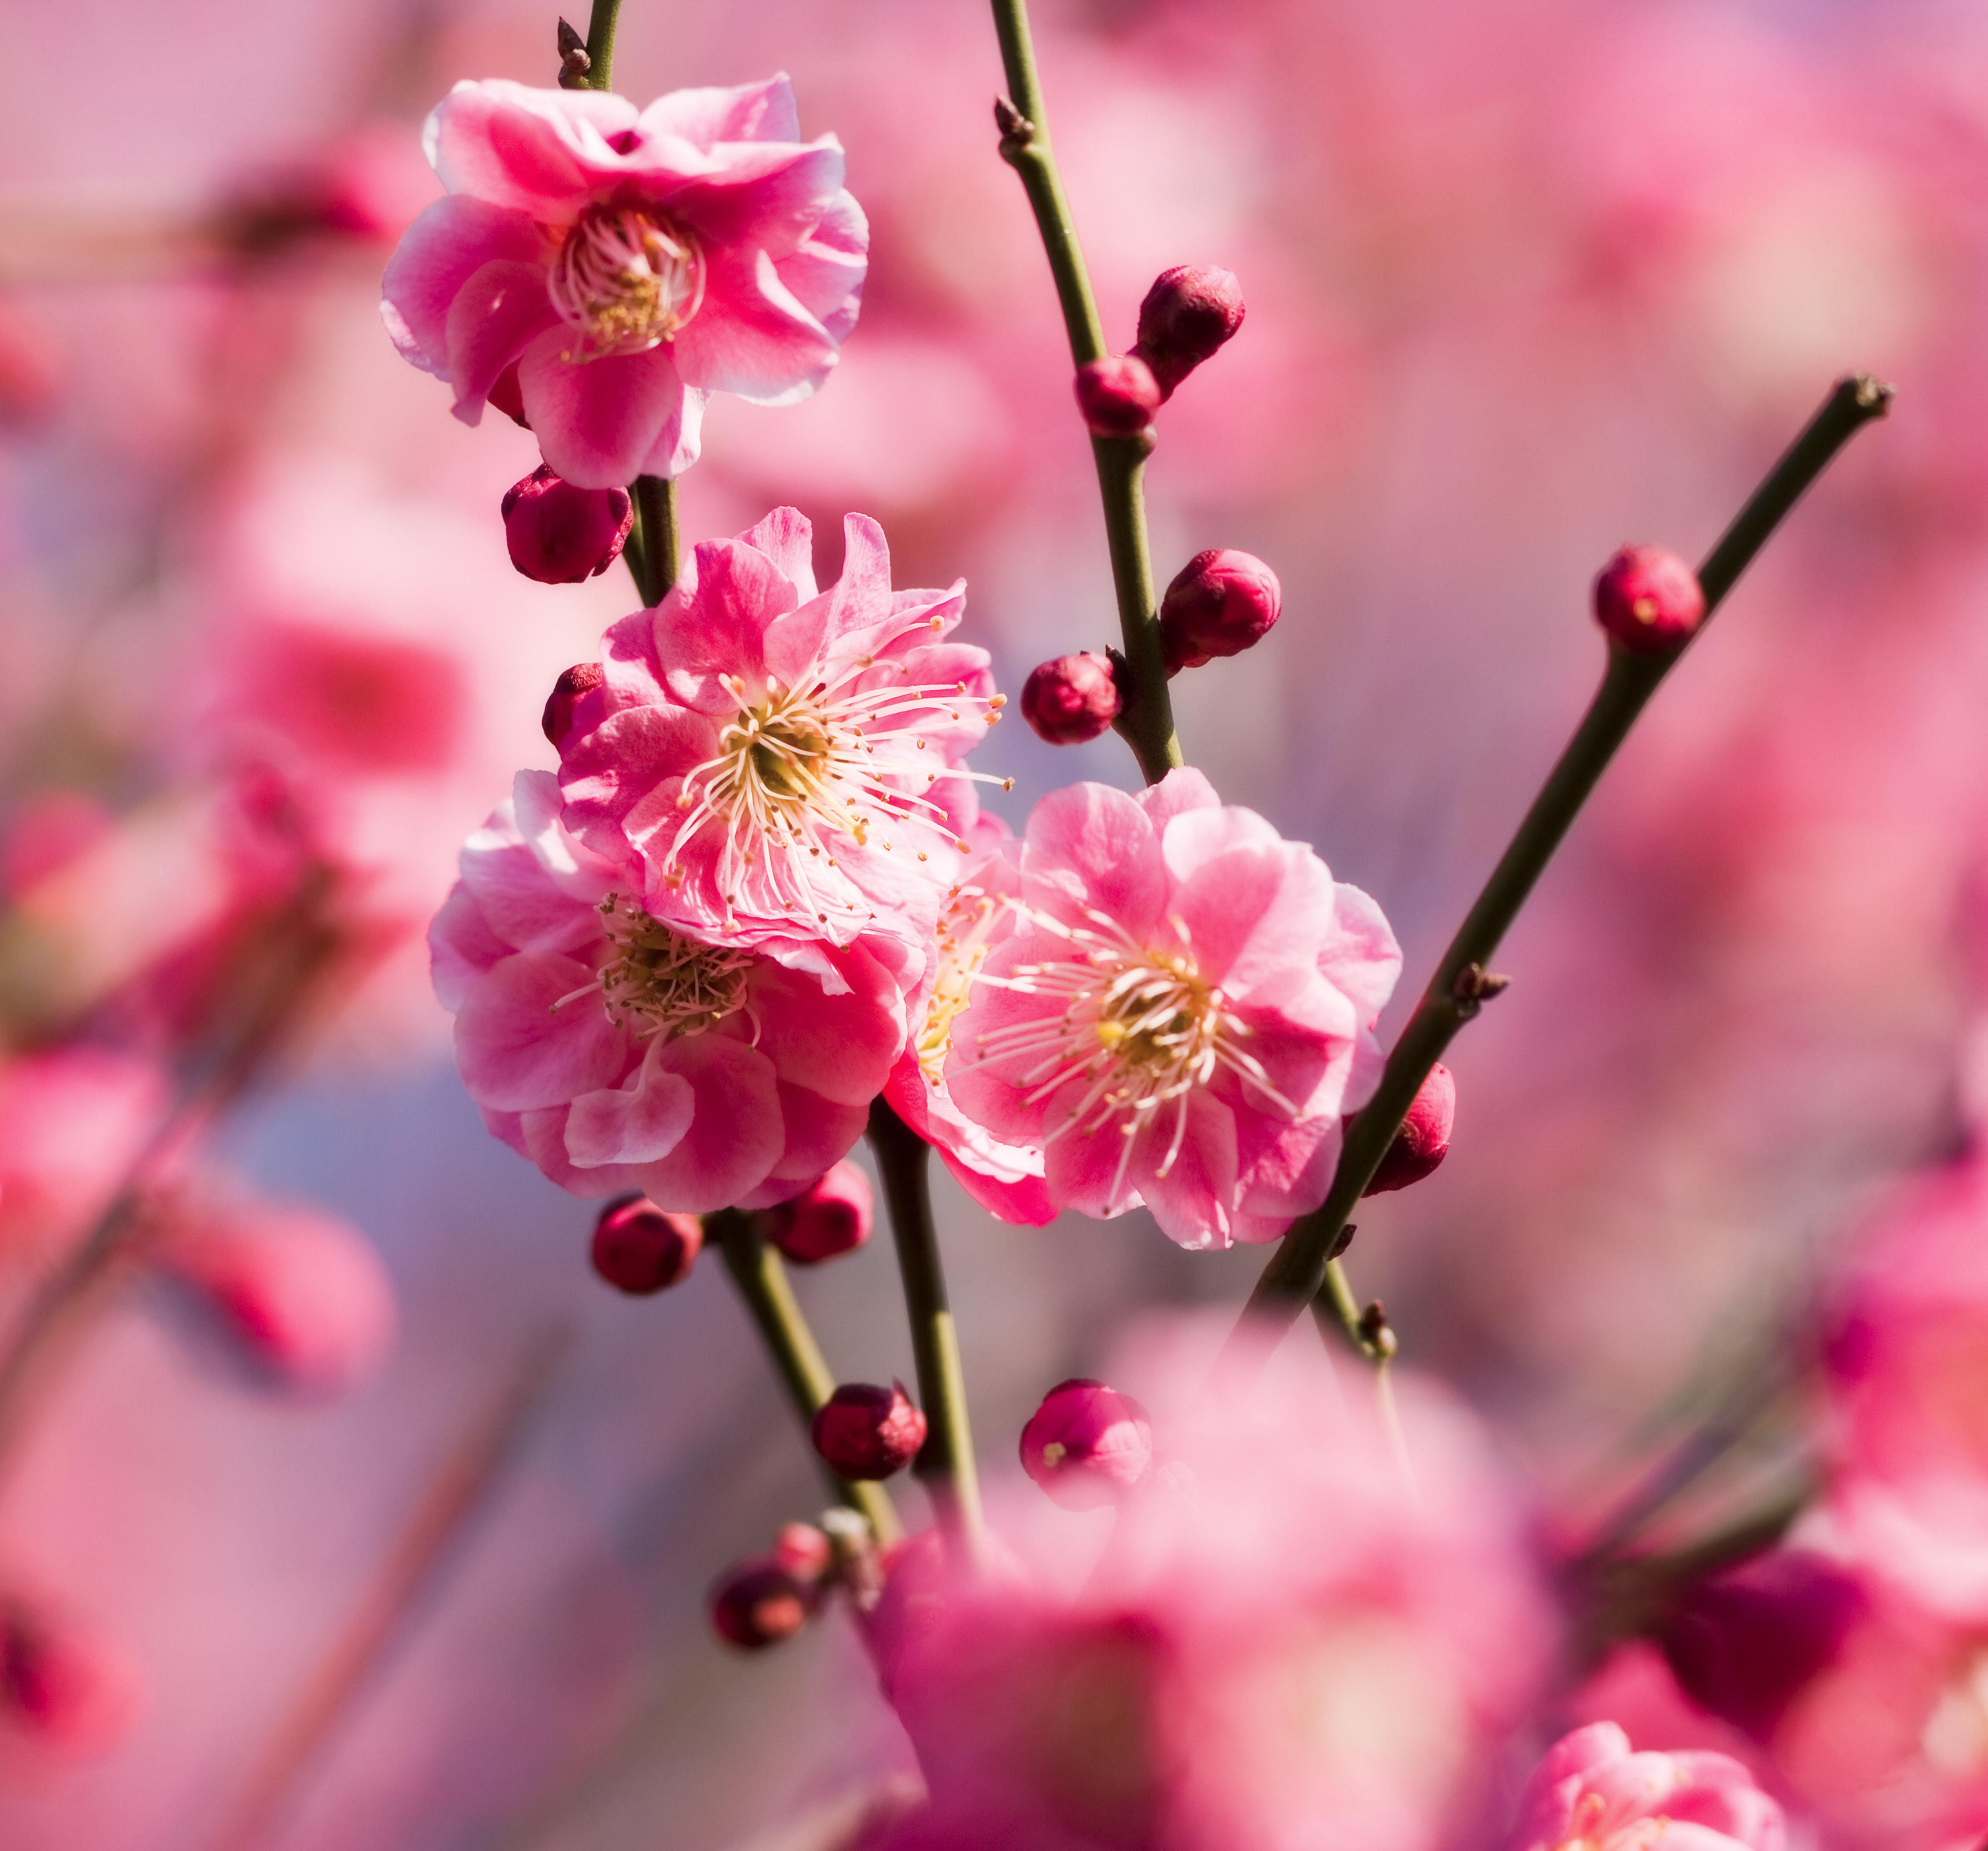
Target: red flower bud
<point>1648,600</point>
<point>560,534</point>
<point>1221,602</point>
<point>507,396</point>
<point>1118,397</point>
<point>639,1249</point>
<point>1423,1141</point>
<point>757,1602</point>
<point>803,1551</point>
<point>1087,1445</point>
<point>1189,312</point>
<point>867,1432</point>
<point>832,1215</point>
<point>1070,700</point>
<point>582,678</point>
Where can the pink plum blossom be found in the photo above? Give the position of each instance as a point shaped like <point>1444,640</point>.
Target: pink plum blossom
<point>1282,1646</point>
<point>1591,1793</point>
<point>626,263</point>
<point>1006,1180</point>
<point>768,753</point>
<point>618,1052</point>
<point>1182,1016</point>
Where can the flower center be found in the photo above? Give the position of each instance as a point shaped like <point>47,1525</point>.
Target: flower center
<point>1139,1027</point>
<point>656,981</point>
<point>627,280</point>
<point>800,771</point>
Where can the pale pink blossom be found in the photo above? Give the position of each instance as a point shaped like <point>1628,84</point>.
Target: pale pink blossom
<point>1592,1793</point>
<point>1006,1180</point>
<point>627,263</point>
<point>783,762</point>
<point>1284,1646</point>
<point>618,1052</point>
<point>1183,1016</point>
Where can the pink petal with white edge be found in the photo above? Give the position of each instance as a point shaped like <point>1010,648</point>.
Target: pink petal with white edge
<point>1191,1202</point>
<point>1024,1203</point>
<point>1254,911</point>
<point>787,537</point>
<point>442,249</point>
<point>601,423</point>
<point>535,151</point>
<point>763,196</point>
<point>611,774</point>
<point>1362,957</point>
<point>735,1137</point>
<point>825,272</point>
<point>642,1120</point>
<point>495,316</point>
<point>751,338</point>
<point>753,111</point>
<point>516,1051</point>
<point>740,591</point>
<point>1182,789</point>
<point>1095,846</point>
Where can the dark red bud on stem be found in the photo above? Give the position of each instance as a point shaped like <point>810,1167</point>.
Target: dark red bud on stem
<point>639,1249</point>
<point>1220,604</point>
<point>1190,311</point>
<point>759,1601</point>
<point>1118,397</point>
<point>865,1431</point>
<point>832,1216</point>
<point>1423,1141</point>
<point>582,678</point>
<point>1070,700</point>
<point>1648,600</point>
<point>560,534</point>
<point>1087,1445</point>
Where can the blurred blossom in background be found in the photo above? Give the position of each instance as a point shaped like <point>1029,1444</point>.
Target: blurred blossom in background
<point>364,1516</point>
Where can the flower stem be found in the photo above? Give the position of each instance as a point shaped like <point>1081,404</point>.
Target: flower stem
<point>944,1464</point>
<point>656,563</point>
<point>600,44</point>
<point>1146,719</point>
<point>1298,1269</point>
<point>769,1294</point>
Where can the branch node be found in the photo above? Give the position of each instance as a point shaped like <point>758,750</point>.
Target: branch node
<point>1474,987</point>
<point>1342,1240</point>
<point>1376,1332</point>
<point>1875,395</point>
<point>1018,133</point>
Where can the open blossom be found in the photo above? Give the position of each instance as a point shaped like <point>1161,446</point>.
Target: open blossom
<point>606,268</point>
<point>1591,1793</point>
<point>619,1053</point>
<point>1006,1180</point>
<point>1183,1016</point>
<point>772,755</point>
<point>1282,1648</point>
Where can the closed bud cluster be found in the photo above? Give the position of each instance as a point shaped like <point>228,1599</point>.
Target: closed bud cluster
<point>761,1601</point>
<point>1648,600</point>
<point>832,1216</point>
<point>1423,1141</point>
<point>582,678</point>
<point>1220,602</point>
<point>1071,700</point>
<point>1190,311</point>
<point>559,534</point>
<point>1118,396</point>
<point>1087,1445</point>
<point>639,1249</point>
<point>865,1431</point>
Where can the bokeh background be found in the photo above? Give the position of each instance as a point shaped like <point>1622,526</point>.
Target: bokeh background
<point>1525,279</point>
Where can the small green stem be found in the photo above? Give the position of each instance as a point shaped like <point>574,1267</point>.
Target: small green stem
<point>600,44</point>
<point>1298,1269</point>
<point>946,1462</point>
<point>655,563</point>
<point>769,1294</point>
<point>1145,719</point>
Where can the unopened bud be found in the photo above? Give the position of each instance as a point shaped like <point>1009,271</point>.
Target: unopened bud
<point>1070,700</point>
<point>757,1602</point>
<point>1648,600</point>
<point>65,1686</point>
<point>1087,1445</point>
<point>1423,1141</point>
<point>1219,604</point>
<point>639,1249</point>
<point>582,678</point>
<point>1189,312</point>
<point>803,1551</point>
<point>831,1216</point>
<point>1118,397</point>
<point>864,1431</point>
<point>558,534</point>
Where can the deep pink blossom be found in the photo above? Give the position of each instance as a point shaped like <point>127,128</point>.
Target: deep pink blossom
<point>627,263</point>
<point>1591,1793</point>
<point>1183,1016</point>
<point>773,755</point>
<point>618,1053</point>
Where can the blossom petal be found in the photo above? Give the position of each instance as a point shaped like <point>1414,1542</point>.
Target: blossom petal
<point>600,423</point>
<point>642,1120</point>
<point>752,112</point>
<point>842,1047</point>
<point>824,273</point>
<point>516,1050</point>
<point>495,316</point>
<point>1093,846</point>
<point>442,249</point>
<point>511,145</point>
<point>735,1135</point>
